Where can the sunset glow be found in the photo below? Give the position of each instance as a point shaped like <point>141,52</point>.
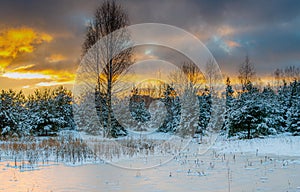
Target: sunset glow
<point>14,41</point>
<point>45,49</point>
<point>26,76</point>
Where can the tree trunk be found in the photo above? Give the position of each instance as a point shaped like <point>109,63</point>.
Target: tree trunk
<point>248,135</point>
<point>109,87</point>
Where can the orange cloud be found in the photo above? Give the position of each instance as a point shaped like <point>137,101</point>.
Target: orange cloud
<point>56,78</point>
<point>226,30</point>
<point>19,40</point>
<point>46,77</point>
<point>13,42</point>
<point>232,44</point>
<point>23,68</point>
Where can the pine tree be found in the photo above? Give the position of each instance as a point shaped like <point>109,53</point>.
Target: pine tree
<point>138,109</point>
<point>62,108</point>
<point>12,114</point>
<point>229,103</point>
<point>204,112</point>
<point>229,93</point>
<point>294,110</point>
<point>172,104</point>
<point>106,119</point>
<point>88,123</point>
<point>189,112</point>
<point>50,111</point>
<point>247,115</point>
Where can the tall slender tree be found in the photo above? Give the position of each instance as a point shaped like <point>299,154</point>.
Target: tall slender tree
<point>246,73</point>
<point>211,71</point>
<point>110,61</point>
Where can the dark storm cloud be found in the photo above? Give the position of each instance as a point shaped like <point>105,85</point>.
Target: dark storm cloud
<point>266,30</point>
<point>49,15</point>
<point>262,12</point>
<point>270,46</point>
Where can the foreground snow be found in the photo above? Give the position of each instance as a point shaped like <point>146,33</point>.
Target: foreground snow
<point>279,145</point>
<point>270,164</point>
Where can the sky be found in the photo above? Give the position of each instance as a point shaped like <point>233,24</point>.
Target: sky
<point>40,41</point>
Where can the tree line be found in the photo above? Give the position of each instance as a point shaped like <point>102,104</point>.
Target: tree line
<point>42,113</point>
<point>257,113</point>
<point>249,112</point>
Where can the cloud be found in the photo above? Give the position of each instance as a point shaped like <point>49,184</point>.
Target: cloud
<point>232,44</point>
<point>23,68</point>
<point>15,41</point>
<point>267,31</point>
<point>226,30</point>
<point>18,40</point>
<point>19,49</point>
<point>51,83</point>
<point>17,75</point>
<point>23,56</point>
<point>55,58</point>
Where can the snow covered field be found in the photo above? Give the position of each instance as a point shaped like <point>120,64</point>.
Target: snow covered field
<point>270,164</point>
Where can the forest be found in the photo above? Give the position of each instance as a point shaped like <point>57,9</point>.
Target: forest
<point>249,112</point>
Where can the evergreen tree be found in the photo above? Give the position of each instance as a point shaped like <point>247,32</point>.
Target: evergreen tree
<point>229,103</point>
<point>12,114</point>
<point>50,111</point>
<point>204,111</point>
<point>106,118</point>
<point>247,115</point>
<point>229,93</point>
<point>137,107</point>
<point>172,104</point>
<point>189,112</point>
<point>294,121</point>
<point>294,110</point>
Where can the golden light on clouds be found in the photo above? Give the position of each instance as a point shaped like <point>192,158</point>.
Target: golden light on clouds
<point>52,83</point>
<point>54,76</point>
<point>17,75</point>
<point>56,58</point>
<point>22,68</point>
<point>18,40</point>
<point>14,42</point>
<point>226,30</point>
<point>232,44</point>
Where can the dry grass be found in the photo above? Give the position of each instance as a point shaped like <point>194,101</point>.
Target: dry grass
<point>69,149</point>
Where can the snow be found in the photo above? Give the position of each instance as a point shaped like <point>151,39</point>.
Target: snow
<point>269,164</point>
<point>279,145</point>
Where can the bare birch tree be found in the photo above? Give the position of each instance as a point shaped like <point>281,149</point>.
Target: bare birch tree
<point>246,73</point>
<point>110,60</point>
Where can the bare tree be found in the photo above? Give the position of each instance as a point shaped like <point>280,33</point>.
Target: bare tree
<point>292,73</point>
<point>246,73</point>
<point>188,76</point>
<point>278,73</point>
<point>211,71</point>
<point>110,60</point>
<point>288,74</point>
